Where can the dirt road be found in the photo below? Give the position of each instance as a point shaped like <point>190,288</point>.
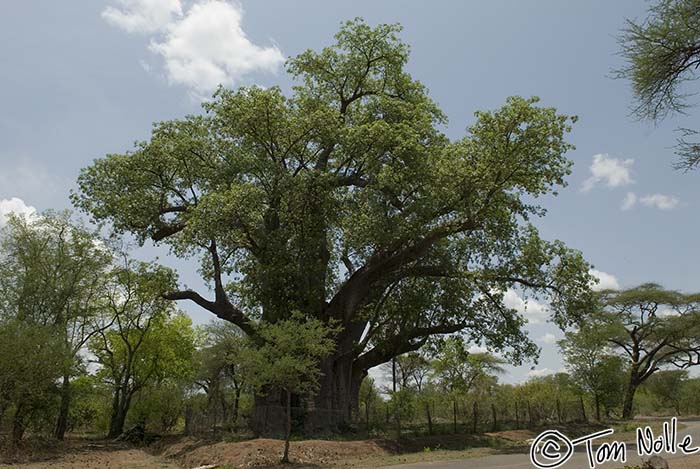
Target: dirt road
<point>578,461</point>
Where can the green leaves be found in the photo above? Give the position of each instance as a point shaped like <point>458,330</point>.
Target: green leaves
<point>344,199</point>
<point>662,53</point>
<point>288,355</point>
<point>458,371</point>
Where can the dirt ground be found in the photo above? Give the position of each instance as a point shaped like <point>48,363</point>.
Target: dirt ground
<point>86,454</point>
<point>189,452</point>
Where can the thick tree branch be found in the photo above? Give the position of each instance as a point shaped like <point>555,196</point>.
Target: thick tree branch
<point>227,312</point>
<point>163,231</point>
<point>403,343</point>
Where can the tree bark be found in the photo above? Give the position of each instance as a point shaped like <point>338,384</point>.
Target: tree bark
<point>397,404</point>
<point>583,409</point>
<point>62,421</point>
<point>597,407</point>
<point>19,425</point>
<point>627,403</point>
<point>120,409</point>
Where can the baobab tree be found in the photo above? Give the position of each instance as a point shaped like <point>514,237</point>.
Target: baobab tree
<point>345,201</point>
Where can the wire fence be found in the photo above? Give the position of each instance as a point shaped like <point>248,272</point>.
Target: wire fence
<point>438,417</point>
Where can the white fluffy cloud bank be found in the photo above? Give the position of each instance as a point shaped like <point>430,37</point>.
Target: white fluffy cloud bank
<point>613,172</point>
<point>15,206</point>
<point>202,47</point>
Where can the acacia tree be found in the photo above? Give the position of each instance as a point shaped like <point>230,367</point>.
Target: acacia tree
<point>52,273</point>
<point>342,200</point>
<point>662,53</point>
<point>653,328</point>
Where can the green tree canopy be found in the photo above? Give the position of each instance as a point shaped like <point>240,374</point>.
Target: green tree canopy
<point>52,274</point>
<point>218,368</point>
<point>345,200</point>
<point>594,367</point>
<point>31,362</point>
<point>148,341</point>
<point>662,53</point>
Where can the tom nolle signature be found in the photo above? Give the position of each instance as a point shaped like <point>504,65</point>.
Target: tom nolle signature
<point>553,449</point>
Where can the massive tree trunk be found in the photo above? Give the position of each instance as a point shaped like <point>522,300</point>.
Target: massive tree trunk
<point>62,421</point>
<point>330,410</point>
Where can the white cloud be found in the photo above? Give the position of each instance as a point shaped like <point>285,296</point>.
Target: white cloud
<point>201,48</point>
<point>548,338</point>
<point>540,373</point>
<point>613,172</point>
<point>16,206</point>
<point>660,201</point>
<point>143,16</point>
<point>629,201</point>
<point>606,281</point>
<point>533,310</point>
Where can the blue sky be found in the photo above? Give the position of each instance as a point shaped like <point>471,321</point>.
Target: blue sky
<point>85,78</point>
